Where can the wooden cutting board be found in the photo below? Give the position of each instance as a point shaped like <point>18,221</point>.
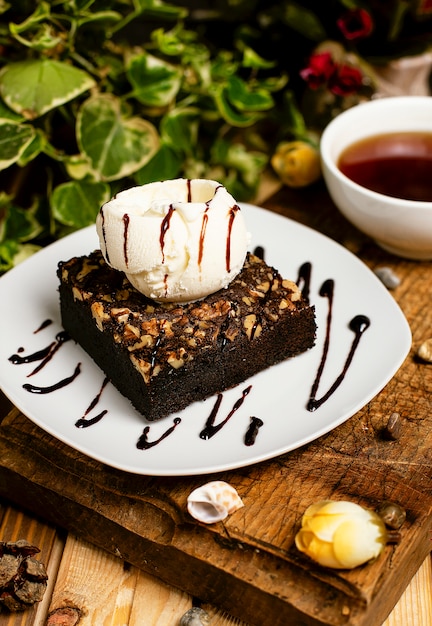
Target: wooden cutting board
<point>248,564</point>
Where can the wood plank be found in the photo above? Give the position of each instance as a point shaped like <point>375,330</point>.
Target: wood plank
<point>19,525</point>
<point>415,606</point>
<point>248,565</point>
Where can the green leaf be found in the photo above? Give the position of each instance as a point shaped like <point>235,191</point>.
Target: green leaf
<point>155,8</point>
<point>78,166</point>
<point>4,6</point>
<point>168,42</point>
<point>160,9</point>
<point>77,203</point>
<point>229,112</point>
<point>41,12</point>
<point>7,114</point>
<point>155,83</point>
<point>39,36</point>
<point>116,146</point>
<point>99,16</point>
<point>248,164</point>
<point>254,60</point>
<point>247,98</point>
<point>35,147</point>
<point>35,86</point>
<point>304,22</point>
<point>14,140</point>
<point>165,164</point>
<point>21,224</point>
<point>179,129</point>
<point>12,253</point>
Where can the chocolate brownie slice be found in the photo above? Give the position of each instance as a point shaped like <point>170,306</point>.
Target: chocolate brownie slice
<point>165,356</point>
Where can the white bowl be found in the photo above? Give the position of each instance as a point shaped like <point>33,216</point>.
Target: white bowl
<point>403,227</point>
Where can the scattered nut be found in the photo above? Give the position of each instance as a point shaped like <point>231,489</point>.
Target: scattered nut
<point>23,579</point>
<point>392,514</point>
<point>425,351</point>
<point>195,617</point>
<point>392,429</point>
<point>387,277</point>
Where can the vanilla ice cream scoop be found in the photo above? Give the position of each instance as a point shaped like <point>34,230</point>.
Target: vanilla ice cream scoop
<point>177,240</point>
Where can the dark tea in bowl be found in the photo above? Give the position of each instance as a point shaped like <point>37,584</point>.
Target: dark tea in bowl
<point>377,165</point>
<point>395,164</point>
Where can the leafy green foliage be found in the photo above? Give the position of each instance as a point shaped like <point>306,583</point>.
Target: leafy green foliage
<point>96,96</point>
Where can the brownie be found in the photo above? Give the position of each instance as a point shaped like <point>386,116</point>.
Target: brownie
<point>163,357</point>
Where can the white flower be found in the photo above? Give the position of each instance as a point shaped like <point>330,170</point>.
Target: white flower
<point>341,534</point>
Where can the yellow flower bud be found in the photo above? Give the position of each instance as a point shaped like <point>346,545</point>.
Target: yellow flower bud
<point>341,534</point>
<point>297,163</point>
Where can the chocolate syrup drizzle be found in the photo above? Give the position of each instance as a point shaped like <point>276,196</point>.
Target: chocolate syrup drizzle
<point>144,444</point>
<point>164,229</point>
<point>126,220</point>
<point>44,355</point>
<point>304,279</point>
<point>232,213</point>
<point>59,385</point>
<point>83,422</point>
<point>44,325</point>
<point>202,234</point>
<point>211,428</point>
<point>102,214</point>
<point>359,324</point>
<point>252,431</point>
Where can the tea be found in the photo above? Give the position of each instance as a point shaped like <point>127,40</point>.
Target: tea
<point>394,164</point>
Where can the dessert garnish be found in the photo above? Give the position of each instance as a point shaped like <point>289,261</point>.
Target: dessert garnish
<point>176,241</point>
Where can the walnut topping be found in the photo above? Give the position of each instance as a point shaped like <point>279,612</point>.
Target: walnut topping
<point>86,269</point>
<point>252,326</point>
<point>122,294</point>
<point>99,314</point>
<point>231,333</point>
<point>155,327</point>
<point>207,311</point>
<point>145,368</point>
<point>77,294</point>
<point>166,335</point>
<point>296,292</point>
<point>122,314</point>
<point>284,304</point>
<point>130,332</point>
<point>146,341</point>
<point>177,359</point>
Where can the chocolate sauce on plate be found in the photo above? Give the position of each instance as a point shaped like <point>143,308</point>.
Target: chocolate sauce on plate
<point>58,385</point>
<point>359,324</point>
<point>83,422</point>
<point>252,431</point>
<point>144,444</point>
<point>211,428</point>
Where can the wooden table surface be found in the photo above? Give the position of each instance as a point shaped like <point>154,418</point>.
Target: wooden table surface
<point>88,586</point>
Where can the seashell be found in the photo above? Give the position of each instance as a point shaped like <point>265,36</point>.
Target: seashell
<point>213,502</point>
<point>195,617</point>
